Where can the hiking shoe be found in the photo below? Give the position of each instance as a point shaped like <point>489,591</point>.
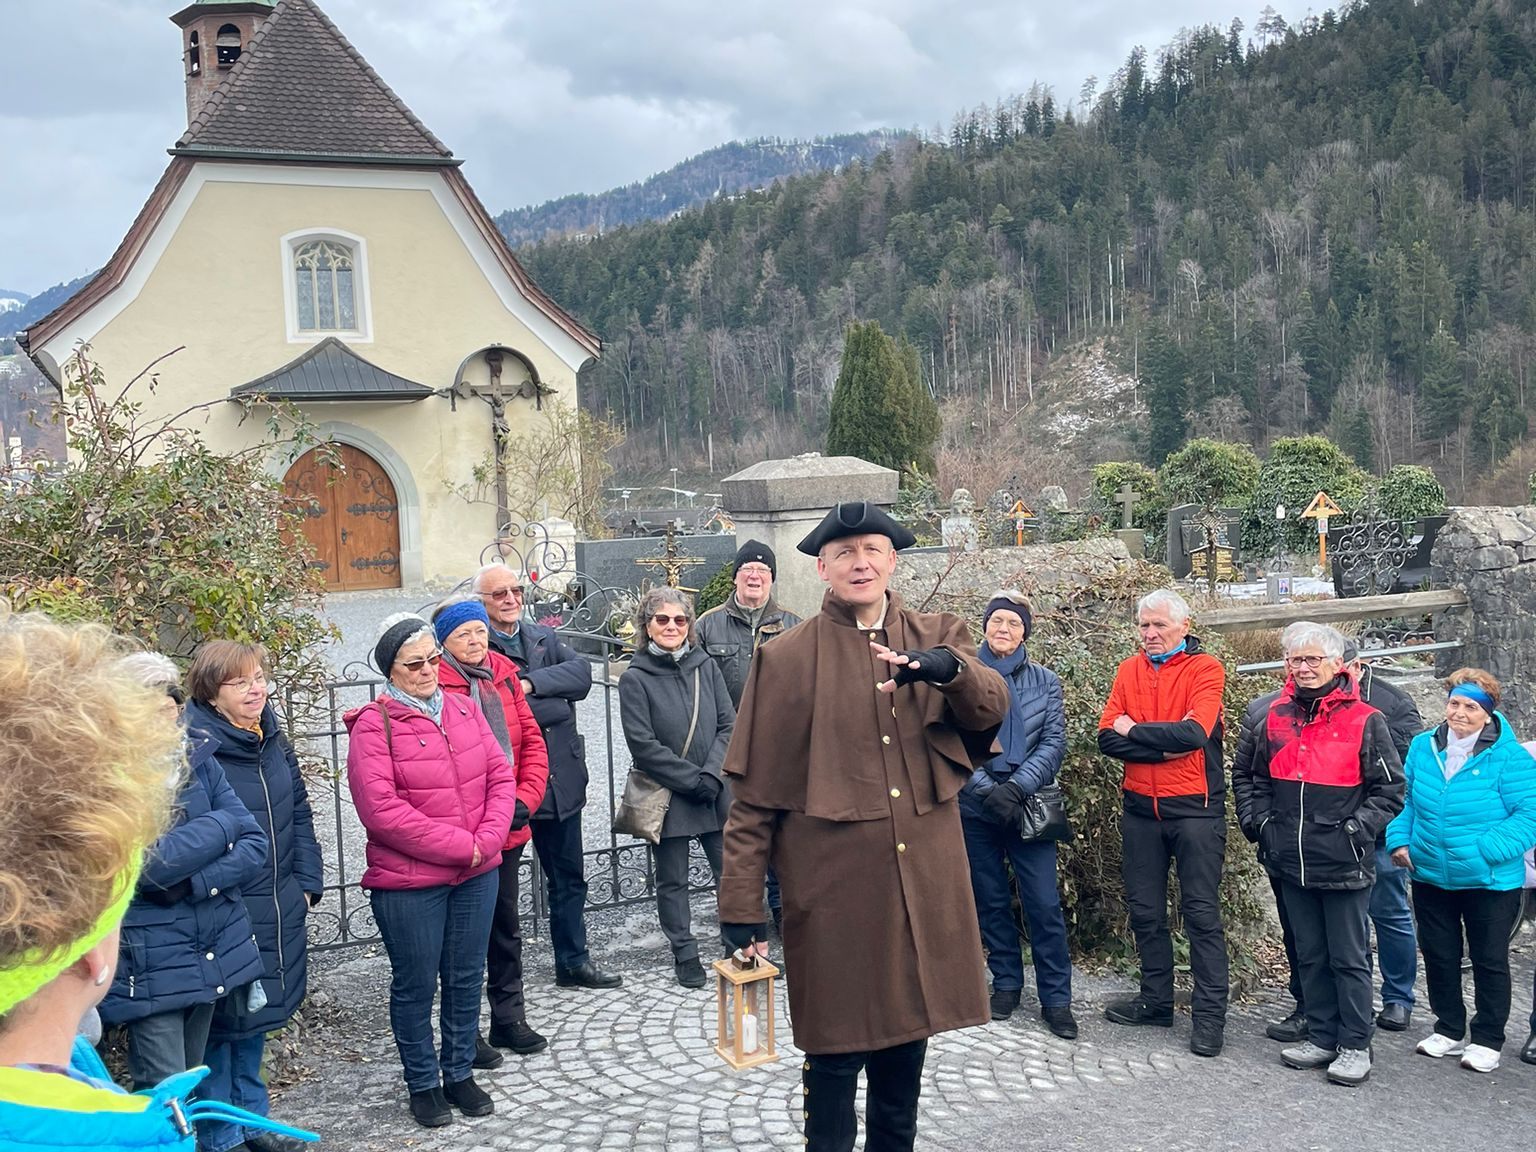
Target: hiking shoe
<point>1351,1067</point>
<point>519,1037</point>
<point>430,1108</point>
<point>1308,1055</point>
<point>485,1055</point>
<point>1394,1017</point>
<point>1437,1044</point>
<point>1137,1011</point>
<point>1059,1019</point>
<point>469,1098</point>
<point>1291,1030</point>
<point>1207,1038</point>
<point>1004,1002</point>
<point>690,973</point>
<point>1480,1058</point>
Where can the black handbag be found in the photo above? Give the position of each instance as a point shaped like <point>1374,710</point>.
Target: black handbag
<point>1043,815</point>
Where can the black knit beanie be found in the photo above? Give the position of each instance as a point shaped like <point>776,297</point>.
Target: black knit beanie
<point>394,638</point>
<point>755,552</point>
<point>1007,605</point>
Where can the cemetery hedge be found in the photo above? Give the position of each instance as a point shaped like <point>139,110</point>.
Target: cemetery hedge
<point>1210,472</point>
<point>1083,635</point>
<point>1410,493</point>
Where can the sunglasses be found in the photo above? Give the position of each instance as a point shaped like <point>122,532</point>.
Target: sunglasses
<point>663,620</point>
<point>501,594</point>
<point>417,665</point>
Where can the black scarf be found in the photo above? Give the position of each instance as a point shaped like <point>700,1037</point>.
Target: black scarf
<point>490,702</point>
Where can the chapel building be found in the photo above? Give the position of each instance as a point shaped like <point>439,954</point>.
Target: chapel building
<point>313,242</point>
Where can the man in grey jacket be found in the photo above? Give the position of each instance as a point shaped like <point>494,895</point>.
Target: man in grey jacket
<point>733,631</point>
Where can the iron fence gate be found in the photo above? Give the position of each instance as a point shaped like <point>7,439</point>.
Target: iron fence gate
<point>620,872</point>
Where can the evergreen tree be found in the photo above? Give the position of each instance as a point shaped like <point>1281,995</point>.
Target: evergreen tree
<point>1167,389</point>
<point>880,410</point>
<point>1442,386</point>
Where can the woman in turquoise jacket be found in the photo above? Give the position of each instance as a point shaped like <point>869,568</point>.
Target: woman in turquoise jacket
<point>92,761</point>
<point>1469,819</point>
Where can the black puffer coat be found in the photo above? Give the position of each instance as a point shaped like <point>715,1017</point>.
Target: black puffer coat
<point>264,773</point>
<point>560,677</point>
<point>176,954</point>
<point>656,705</point>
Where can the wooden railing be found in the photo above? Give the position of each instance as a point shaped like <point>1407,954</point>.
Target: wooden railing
<point>1244,617</point>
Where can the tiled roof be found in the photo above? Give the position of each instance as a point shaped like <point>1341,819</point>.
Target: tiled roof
<point>301,90</point>
<point>332,371</point>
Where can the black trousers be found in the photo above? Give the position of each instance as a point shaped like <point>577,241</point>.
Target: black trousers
<point>1198,845</point>
<point>504,956</point>
<point>558,844</point>
<point>1333,950</point>
<point>895,1078</point>
<point>1288,937</point>
<point>1484,918</point>
<point>672,907</point>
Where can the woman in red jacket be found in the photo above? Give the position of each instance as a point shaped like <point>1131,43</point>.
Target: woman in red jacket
<point>436,795</point>
<point>470,668</point>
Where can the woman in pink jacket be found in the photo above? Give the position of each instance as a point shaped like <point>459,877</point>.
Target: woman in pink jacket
<point>436,794</point>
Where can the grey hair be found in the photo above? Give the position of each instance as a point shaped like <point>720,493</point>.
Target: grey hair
<point>1166,600</point>
<point>425,631</point>
<point>151,669</point>
<point>495,566</point>
<point>1307,634</point>
<point>656,598</point>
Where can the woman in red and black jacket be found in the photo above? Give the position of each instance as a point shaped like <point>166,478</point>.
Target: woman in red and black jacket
<point>1325,781</point>
<point>471,668</point>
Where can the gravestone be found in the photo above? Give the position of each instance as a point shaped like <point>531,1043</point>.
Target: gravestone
<point>1053,498</point>
<point>958,529</point>
<point>1183,538</point>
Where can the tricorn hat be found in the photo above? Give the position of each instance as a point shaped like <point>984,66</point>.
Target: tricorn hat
<point>855,518</point>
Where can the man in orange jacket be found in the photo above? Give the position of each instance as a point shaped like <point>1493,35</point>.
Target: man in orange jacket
<point>1163,720</point>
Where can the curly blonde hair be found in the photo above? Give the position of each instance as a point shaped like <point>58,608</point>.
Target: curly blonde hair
<point>87,752</point>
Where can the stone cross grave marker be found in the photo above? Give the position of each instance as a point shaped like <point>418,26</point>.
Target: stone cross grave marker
<point>1126,498</point>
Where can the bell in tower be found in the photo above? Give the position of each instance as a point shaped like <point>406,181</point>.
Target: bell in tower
<point>214,35</point>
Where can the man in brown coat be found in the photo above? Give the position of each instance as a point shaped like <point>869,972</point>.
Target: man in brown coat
<point>856,731</point>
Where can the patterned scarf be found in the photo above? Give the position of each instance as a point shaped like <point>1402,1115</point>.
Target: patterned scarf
<point>476,676</point>
<point>432,706</point>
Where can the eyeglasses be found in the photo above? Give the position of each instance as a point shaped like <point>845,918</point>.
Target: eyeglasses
<point>663,620</point>
<point>417,665</point>
<point>754,570</point>
<point>501,594</point>
<point>1309,661</point>
<point>245,683</point>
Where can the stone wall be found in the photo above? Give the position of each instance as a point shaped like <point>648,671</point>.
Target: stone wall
<point>1490,553</point>
<point>1044,571</point>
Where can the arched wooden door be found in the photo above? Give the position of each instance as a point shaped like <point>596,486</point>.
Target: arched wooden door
<point>351,517</point>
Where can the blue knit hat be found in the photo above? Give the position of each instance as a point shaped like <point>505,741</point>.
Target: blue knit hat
<point>447,618</point>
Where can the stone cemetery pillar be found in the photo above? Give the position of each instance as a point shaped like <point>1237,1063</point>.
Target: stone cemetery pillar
<point>780,501</point>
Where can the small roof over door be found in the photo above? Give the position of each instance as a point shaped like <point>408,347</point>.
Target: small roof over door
<point>332,371</point>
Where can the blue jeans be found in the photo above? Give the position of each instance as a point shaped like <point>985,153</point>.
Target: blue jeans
<point>436,936</point>
<point>234,1077</point>
<point>991,848</point>
<point>1396,943</point>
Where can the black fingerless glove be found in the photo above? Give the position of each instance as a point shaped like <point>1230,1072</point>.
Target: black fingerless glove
<point>738,936</point>
<point>1001,805</point>
<point>520,817</point>
<point>165,897</point>
<point>934,666</point>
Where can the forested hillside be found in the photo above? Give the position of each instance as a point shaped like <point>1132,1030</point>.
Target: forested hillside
<point>1323,227</point>
<point>730,168</point>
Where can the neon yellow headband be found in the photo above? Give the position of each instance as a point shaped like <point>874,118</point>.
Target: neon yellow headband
<point>34,969</point>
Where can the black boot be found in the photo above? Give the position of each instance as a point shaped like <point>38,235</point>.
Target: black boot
<point>830,1085</point>
<point>469,1098</point>
<point>430,1108</point>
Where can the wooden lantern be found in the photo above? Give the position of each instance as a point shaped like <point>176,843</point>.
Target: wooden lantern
<point>745,1031</point>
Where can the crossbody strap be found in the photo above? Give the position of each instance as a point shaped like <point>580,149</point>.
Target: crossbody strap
<point>694,723</point>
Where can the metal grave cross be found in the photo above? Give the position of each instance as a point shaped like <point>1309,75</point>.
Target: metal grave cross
<point>1212,561</point>
<point>671,561</point>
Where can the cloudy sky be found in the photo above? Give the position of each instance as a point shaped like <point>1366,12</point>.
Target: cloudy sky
<point>541,97</point>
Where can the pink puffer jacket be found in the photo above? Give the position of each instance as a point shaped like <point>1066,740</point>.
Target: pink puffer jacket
<point>428,796</point>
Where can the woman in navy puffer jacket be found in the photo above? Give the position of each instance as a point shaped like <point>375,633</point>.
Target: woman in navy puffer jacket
<point>227,683</point>
<point>1034,740</point>
<point>186,939</point>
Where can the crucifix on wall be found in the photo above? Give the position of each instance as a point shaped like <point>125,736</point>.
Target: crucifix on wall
<point>496,395</point>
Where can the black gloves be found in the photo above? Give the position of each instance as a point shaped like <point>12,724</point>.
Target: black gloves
<point>520,817</point>
<point>1001,805</point>
<point>934,666</point>
<point>707,789</point>
<point>738,936</point>
<point>165,897</point>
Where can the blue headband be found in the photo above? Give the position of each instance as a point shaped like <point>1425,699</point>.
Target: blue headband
<point>1475,694</point>
<point>460,612</point>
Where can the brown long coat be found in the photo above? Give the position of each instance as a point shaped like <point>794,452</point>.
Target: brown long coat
<point>851,795</point>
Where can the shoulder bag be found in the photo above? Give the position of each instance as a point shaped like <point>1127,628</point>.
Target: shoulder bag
<point>643,806</point>
<point>1043,815</point>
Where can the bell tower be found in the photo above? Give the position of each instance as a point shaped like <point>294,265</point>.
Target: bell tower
<point>214,35</point>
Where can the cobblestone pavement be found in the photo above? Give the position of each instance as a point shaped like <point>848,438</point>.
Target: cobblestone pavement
<point>635,1068</point>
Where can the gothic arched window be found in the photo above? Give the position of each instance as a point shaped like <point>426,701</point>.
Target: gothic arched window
<point>325,290</point>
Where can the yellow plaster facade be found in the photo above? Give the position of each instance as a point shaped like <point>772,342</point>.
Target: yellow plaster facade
<point>214,281</point>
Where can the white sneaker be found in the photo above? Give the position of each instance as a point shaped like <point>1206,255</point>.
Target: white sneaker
<point>1480,1059</point>
<point>1437,1045</point>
